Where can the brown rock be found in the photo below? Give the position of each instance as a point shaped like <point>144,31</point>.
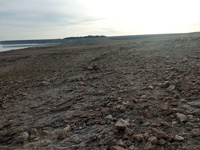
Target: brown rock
<point>62,135</point>
<point>129,131</point>
<point>116,148</point>
<point>139,137</point>
<point>132,147</point>
<point>120,142</point>
<point>148,146</point>
<point>121,124</point>
<point>181,117</point>
<point>178,138</point>
<point>195,132</point>
<point>165,84</point>
<point>165,124</point>
<point>162,134</point>
<point>161,142</point>
<point>153,140</point>
<point>171,88</point>
<point>164,107</point>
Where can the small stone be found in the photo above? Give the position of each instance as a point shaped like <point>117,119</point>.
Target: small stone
<point>112,143</point>
<point>146,124</point>
<point>45,132</point>
<point>171,88</point>
<point>143,97</point>
<point>139,137</point>
<point>150,87</point>
<point>67,128</point>
<point>116,148</point>
<point>178,138</point>
<point>181,117</point>
<point>109,117</point>
<point>162,134</point>
<point>132,147</point>
<point>129,131</point>
<point>121,124</point>
<point>165,84</point>
<point>165,124</point>
<point>161,142</point>
<point>22,137</point>
<point>148,146</point>
<point>120,143</point>
<point>195,132</point>
<point>62,135</point>
<point>153,140</point>
<point>164,107</point>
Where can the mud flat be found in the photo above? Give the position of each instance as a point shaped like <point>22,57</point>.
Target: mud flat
<point>117,94</point>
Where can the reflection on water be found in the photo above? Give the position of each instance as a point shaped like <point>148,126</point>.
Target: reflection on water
<point>7,47</point>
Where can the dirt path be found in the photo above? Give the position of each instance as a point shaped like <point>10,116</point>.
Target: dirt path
<point>133,94</point>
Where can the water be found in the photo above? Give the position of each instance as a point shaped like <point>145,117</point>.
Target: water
<point>7,47</point>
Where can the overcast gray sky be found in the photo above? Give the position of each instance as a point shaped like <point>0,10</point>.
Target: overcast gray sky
<point>39,19</point>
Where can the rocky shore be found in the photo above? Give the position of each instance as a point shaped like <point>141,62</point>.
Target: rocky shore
<point>112,95</point>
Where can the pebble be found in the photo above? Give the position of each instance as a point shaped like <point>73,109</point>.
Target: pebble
<point>121,124</point>
<point>109,117</point>
<point>181,117</point>
<point>146,124</point>
<point>165,124</point>
<point>148,146</point>
<point>153,140</point>
<point>171,88</point>
<point>139,137</point>
<point>116,148</point>
<point>161,142</point>
<point>62,135</point>
<point>22,137</point>
<point>178,138</point>
<point>195,132</point>
<point>162,134</point>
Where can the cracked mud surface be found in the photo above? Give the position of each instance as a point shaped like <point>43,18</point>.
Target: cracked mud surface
<point>131,94</point>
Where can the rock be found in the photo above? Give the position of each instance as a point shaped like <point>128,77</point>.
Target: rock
<point>171,88</point>
<point>146,124</point>
<point>153,140</point>
<point>150,87</point>
<point>148,146</point>
<point>45,132</point>
<point>116,148</point>
<point>165,84</point>
<point>162,134</point>
<point>165,124</point>
<point>195,103</point>
<point>178,138</point>
<point>112,143</point>
<point>132,147</point>
<point>195,132</point>
<point>143,97</point>
<point>67,128</point>
<point>33,134</point>
<point>138,137</point>
<point>161,142</point>
<point>120,142</point>
<point>129,131</point>
<point>181,117</point>
<point>22,137</point>
<point>109,117</point>
<point>164,107</point>
<point>62,135</point>
<point>121,124</point>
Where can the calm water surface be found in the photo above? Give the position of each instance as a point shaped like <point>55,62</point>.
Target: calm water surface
<point>7,47</point>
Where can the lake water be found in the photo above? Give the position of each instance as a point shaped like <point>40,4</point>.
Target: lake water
<point>7,47</point>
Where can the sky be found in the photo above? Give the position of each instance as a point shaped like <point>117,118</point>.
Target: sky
<point>52,19</point>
